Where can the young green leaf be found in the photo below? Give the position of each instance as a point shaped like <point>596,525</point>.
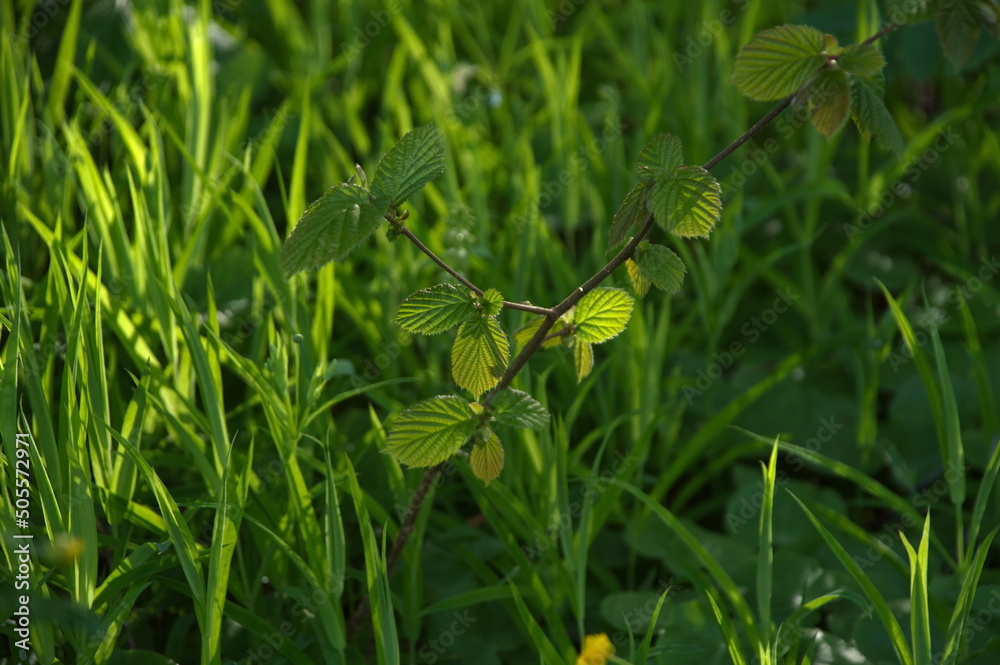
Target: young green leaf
<point>492,301</point>
<point>431,431</point>
<point>486,458</point>
<point>516,408</point>
<point>413,162</point>
<point>777,62</point>
<point>527,331</point>
<point>602,314</point>
<point>434,310</point>
<point>870,114</point>
<point>480,355</point>
<point>659,266</point>
<point>862,60</point>
<point>662,154</point>
<point>583,356</point>
<point>639,285</point>
<point>687,203</point>
<point>631,214</point>
<point>330,228</point>
<point>830,99</point>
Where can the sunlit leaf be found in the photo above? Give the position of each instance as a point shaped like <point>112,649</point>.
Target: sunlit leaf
<point>631,214</point>
<point>583,356</point>
<point>602,314</point>
<point>434,310</point>
<point>492,302</point>
<point>687,203</point>
<point>659,266</point>
<point>431,431</point>
<point>830,99</point>
<point>639,285</point>
<point>486,458</point>
<point>516,408</point>
<point>330,228</point>
<point>662,154</point>
<point>480,355</point>
<point>777,62</point>
<point>862,60</point>
<point>414,161</point>
<point>523,334</point>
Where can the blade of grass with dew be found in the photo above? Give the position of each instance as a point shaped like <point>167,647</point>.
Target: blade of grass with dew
<point>882,609</point>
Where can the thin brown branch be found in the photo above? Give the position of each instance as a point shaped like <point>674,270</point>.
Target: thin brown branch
<point>524,307</point>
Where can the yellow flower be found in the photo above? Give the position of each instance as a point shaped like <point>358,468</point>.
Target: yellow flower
<point>596,650</point>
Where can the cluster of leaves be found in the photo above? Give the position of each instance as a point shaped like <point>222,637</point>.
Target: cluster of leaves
<point>600,315</point>
<point>835,82</point>
<point>435,429</point>
<point>798,63</point>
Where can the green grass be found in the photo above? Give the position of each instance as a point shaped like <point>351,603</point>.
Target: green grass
<point>206,476</point>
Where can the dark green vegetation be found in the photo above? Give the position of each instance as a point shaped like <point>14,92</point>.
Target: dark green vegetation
<point>206,481</point>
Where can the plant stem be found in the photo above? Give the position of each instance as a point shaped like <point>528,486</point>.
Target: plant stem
<point>469,285</point>
<point>551,316</point>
